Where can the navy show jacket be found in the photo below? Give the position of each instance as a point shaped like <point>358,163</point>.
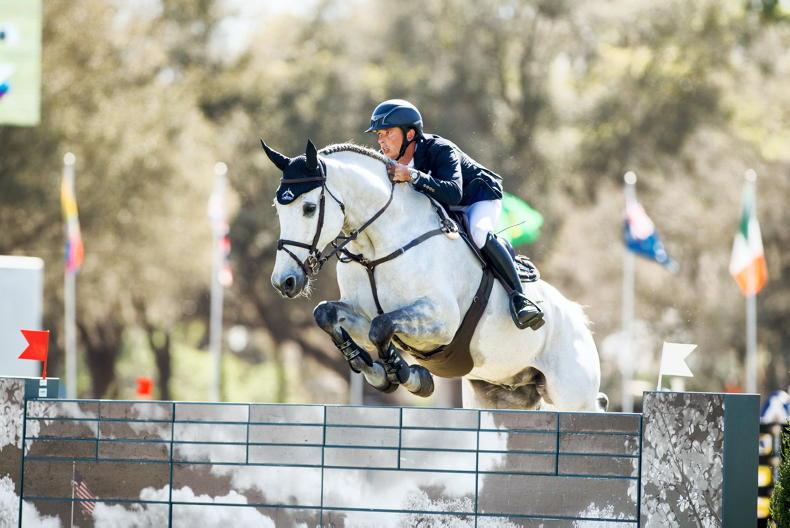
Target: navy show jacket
<point>450,176</point>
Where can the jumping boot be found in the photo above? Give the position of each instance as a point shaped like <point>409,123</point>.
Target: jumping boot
<point>351,350</point>
<point>397,369</point>
<point>525,313</point>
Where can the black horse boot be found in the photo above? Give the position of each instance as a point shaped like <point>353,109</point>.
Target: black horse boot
<point>525,313</point>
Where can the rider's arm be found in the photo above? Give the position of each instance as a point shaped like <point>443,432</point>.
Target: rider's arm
<point>444,183</point>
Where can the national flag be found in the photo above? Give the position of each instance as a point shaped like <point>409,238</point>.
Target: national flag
<point>82,491</point>
<point>75,251</point>
<point>640,236</point>
<point>519,223</point>
<point>6,70</point>
<point>747,263</point>
<point>226,273</point>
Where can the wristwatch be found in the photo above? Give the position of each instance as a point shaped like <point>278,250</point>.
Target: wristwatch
<point>414,173</point>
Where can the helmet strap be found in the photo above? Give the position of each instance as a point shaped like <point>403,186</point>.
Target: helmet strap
<point>406,142</point>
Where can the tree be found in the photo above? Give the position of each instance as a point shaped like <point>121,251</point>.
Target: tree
<point>560,98</point>
<point>780,498</point>
<point>144,166</point>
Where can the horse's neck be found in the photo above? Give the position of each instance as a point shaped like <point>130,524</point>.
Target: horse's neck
<point>365,189</point>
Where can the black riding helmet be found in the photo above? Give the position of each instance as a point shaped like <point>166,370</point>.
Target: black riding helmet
<point>397,113</point>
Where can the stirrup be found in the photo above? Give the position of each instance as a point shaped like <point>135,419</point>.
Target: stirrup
<point>534,322</point>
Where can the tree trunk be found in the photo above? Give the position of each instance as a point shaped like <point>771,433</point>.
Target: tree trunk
<point>160,342</point>
<point>102,343</point>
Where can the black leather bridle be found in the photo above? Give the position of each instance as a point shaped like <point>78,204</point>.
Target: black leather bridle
<point>316,258</point>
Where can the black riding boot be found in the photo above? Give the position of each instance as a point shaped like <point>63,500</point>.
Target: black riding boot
<point>525,313</point>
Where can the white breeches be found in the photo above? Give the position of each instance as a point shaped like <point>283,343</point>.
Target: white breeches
<point>483,218</point>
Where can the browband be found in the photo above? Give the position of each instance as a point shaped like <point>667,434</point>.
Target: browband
<point>303,180</point>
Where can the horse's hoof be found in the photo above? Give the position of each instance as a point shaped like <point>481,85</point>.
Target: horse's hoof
<point>420,381</point>
<point>603,401</point>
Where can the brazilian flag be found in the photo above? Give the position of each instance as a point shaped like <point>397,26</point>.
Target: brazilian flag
<point>526,221</point>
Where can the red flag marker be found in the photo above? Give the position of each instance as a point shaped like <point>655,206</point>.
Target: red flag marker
<point>37,348</point>
<point>144,387</point>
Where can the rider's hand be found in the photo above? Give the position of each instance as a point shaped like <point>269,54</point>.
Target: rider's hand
<point>398,172</point>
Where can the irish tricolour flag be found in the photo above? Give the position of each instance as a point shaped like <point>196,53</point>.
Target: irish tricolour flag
<point>747,264</point>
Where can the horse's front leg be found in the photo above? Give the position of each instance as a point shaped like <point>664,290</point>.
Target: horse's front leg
<point>421,321</point>
<point>349,332</point>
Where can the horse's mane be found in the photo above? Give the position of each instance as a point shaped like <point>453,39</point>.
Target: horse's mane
<point>353,147</point>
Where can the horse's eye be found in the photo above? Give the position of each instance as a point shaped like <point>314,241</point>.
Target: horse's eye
<point>308,209</point>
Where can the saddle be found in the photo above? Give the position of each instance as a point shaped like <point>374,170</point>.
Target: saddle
<point>455,358</point>
<point>527,270</point>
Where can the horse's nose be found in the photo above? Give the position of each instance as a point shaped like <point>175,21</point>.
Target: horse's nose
<point>290,286</point>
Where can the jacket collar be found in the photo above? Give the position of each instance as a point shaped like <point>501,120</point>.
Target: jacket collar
<point>420,150</point>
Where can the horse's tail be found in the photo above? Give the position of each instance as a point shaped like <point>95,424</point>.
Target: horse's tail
<point>569,327</point>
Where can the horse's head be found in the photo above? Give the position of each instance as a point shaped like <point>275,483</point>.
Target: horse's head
<point>308,221</point>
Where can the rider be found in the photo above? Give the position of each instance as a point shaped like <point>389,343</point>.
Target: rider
<point>438,168</point>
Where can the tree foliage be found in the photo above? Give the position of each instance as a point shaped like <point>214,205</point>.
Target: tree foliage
<point>561,98</point>
<point>780,498</point>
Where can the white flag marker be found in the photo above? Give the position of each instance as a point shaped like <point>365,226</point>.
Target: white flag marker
<point>673,362</point>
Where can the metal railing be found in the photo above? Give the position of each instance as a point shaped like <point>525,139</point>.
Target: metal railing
<point>316,465</point>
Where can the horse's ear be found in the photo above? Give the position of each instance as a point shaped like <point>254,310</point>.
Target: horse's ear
<point>312,157</point>
<point>280,161</point>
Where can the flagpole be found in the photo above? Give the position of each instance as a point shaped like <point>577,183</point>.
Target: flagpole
<point>751,343</point>
<point>215,325</point>
<point>69,298</point>
<point>751,307</point>
<point>73,463</point>
<point>626,364</point>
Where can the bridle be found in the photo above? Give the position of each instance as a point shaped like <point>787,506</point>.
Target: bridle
<point>316,258</point>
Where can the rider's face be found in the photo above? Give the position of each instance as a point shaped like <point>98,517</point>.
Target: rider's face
<point>390,140</point>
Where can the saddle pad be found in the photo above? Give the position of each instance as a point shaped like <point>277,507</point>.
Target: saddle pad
<point>527,271</point>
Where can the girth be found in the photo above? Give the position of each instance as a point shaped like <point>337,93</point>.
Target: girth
<point>453,359</point>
